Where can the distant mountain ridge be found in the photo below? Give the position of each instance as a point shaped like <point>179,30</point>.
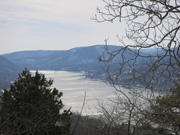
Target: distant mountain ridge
<point>58,60</point>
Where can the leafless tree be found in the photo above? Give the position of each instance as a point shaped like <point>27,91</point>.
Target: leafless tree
<point>126,113</point>
<point>150,24</point>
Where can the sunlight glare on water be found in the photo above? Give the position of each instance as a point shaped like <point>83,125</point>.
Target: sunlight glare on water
<point>74,85</point>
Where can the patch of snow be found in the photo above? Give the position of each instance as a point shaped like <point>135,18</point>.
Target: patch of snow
<point>73,50</point>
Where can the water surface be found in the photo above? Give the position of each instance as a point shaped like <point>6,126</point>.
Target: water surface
<point>74,85</point>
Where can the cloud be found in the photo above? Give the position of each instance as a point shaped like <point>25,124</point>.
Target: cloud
<point>51,24</point>
<point>45,16</point>
<point>63,11</point>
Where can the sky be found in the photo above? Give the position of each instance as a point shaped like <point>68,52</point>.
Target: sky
<point>53,25</point>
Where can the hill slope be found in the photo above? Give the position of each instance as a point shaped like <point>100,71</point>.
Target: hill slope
<point>8,72</point>
<point>58,60</point>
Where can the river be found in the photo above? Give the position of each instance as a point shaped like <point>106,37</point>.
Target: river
<point>75,85</point>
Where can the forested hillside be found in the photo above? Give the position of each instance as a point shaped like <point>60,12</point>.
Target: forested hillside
<point>58,60</point>
<point>8,72</point>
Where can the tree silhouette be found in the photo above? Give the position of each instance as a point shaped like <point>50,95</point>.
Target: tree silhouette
<point>32,107</point>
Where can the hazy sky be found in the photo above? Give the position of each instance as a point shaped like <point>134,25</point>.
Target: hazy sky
<point>52,25</point>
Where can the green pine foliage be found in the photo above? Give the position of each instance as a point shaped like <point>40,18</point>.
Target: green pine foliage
<point>32,107</point>
<point>163,116</point>
<point>166,110</point>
